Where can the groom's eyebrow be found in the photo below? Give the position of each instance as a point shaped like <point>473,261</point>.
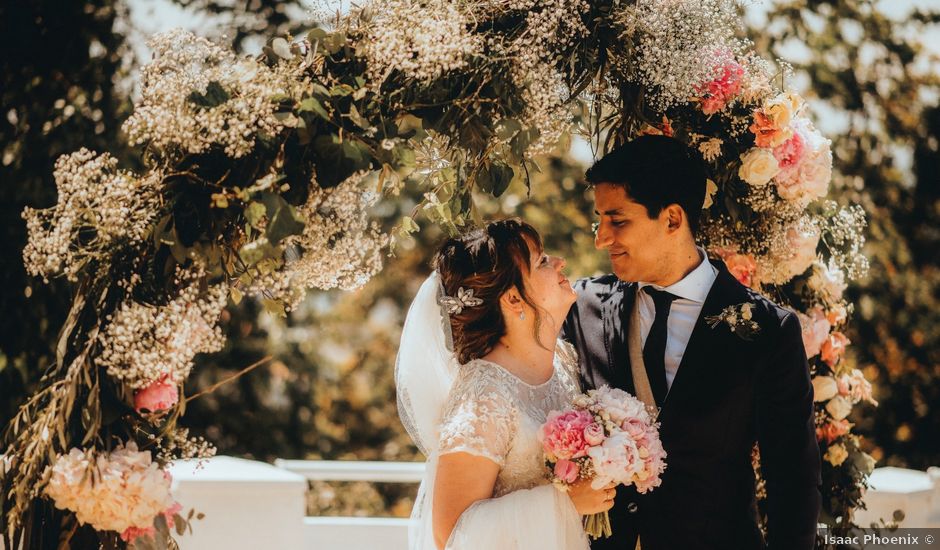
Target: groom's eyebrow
<point>614,212</point>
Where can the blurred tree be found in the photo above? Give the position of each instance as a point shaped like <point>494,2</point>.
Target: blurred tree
<point>58,64</point>
<point>876,79</point>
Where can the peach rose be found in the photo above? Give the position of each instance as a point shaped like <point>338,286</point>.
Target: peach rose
<point>834,348</point>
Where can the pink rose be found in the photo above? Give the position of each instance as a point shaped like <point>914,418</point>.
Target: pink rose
<point>594,434</point>
<point>832,430</point>
<point>562,435</point>
<point>790,152</point>
<point>859,388</point>
<point>842,384</point>
<point>815,330</point>
<point>834,348</point>
<point>742,266</point>
<point>634,427</point>
<point>567,471</point>
<point>158,396</point>
<point>132,533</point>
<point>806,176</point>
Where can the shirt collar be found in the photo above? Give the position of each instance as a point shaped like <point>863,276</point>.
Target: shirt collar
<point>696,284</point>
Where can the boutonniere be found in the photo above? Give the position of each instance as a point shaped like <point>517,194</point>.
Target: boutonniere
<point>739,320</point>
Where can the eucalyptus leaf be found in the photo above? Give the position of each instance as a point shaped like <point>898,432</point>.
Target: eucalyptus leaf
<point>285,222</point>
<point>313,105</point>
<point>501,175</point>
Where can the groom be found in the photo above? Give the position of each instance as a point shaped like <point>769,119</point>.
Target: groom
<point>718,392</point>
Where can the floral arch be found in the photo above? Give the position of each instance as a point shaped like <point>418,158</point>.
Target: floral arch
<point>260,173</point>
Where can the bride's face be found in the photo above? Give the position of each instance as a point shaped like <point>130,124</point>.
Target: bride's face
<point>547,286</point>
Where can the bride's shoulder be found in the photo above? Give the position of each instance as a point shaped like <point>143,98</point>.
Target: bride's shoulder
<point>478,384</point>
<point>480,375</point>
<point>565,351</point>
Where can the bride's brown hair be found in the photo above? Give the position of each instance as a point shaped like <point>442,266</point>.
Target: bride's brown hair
<point>490,260</point>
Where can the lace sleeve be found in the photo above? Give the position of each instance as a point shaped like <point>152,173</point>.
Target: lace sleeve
<point>478,416</point>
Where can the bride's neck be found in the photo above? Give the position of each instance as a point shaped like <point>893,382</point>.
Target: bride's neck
<point>520,353</point>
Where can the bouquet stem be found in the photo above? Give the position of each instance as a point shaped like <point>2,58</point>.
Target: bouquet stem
<point>598,525</point>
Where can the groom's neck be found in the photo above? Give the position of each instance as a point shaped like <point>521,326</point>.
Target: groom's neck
<point>682,261</point>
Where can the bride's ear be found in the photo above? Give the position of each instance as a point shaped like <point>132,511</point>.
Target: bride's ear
<point>512,302</point>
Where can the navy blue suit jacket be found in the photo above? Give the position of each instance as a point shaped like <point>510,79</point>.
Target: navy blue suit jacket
<point>728,393</point>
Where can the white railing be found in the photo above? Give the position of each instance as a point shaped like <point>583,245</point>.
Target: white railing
<point>355,533</point>
<point>250,505</point>
<point>354,470</point>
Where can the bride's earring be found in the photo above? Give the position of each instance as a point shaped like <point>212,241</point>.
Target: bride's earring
<point>522,316</point>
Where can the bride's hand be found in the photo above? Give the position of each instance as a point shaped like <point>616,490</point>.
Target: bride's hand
<point>591,501</point>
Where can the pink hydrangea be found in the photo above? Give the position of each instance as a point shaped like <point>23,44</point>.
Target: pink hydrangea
<point>562,435</point>
<point>720,91</point>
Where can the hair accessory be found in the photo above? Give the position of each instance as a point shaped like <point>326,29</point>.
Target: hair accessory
<point>454,305</point>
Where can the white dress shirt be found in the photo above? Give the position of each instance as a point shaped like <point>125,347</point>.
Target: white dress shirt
<point>690,293</point>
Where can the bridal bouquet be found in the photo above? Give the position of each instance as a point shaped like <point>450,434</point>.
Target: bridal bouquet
<point>607,436</point>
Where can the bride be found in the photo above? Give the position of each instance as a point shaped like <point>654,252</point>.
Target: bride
<point>478,370</point>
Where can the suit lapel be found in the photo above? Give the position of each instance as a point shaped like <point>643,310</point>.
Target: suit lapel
<point>699,351</point>
<point>615,315</point>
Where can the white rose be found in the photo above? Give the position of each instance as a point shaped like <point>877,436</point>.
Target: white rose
<point>836,454</point>
<point>828,280</point>
<point>824,388</point>
<point>839,407</point>
<point>758,167</point>
<point>802,239</point>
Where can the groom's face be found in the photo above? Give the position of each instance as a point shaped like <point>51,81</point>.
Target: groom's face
<point>633,241</point>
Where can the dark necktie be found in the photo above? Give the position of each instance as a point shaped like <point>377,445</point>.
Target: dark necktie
<point>654,350</point>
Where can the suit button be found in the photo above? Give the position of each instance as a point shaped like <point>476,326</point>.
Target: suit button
<point>632,507</point>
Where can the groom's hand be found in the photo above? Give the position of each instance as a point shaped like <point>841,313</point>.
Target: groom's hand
<point>589,501</point>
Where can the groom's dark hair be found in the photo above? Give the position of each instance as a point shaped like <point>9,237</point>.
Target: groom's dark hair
<point>655,171</point>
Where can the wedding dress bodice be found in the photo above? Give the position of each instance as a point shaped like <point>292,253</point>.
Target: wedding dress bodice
<point>492,413</point>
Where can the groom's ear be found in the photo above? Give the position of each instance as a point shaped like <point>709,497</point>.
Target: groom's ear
<point>674,215</point>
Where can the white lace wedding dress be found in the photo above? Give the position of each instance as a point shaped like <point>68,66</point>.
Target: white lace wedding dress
<point>492,413</point>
